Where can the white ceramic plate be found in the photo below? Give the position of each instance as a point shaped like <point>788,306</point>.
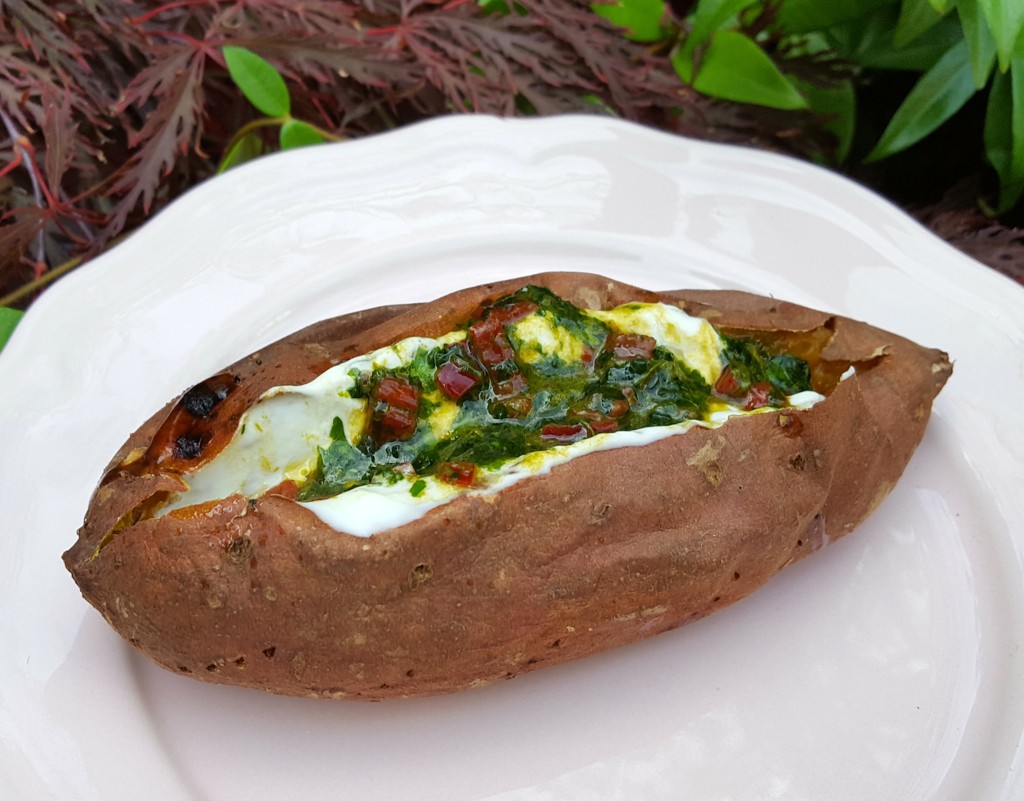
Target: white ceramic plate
<point>888,666</point>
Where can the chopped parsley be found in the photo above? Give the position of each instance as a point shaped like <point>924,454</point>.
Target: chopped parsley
<point>532,373</point>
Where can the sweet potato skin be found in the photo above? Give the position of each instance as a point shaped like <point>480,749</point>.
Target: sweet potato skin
<point>607,549</point>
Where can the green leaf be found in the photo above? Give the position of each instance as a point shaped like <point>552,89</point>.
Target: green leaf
<point>296,133</point>
<point>939,5</point>
<point>916,17</point>
<point>498,7</point>
<point>867,42</point>
<point>1006,21</point>
<point>838,106</point>
<point>1004,133</point>
<point>712,15</point>
<point>642,18</point>
<point>682,60</point>
<point>340,467</point>
<point>979,40</point>
<point>735,68</point>
<point>261,84</point>
<point>937,96</point>
<point>244,149</point>
<point>804,16</point>
<point>8,319</point>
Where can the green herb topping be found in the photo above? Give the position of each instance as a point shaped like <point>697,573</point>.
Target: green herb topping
<point>533,372</point>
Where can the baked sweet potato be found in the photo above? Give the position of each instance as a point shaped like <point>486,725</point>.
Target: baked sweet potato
<point>606,549</point>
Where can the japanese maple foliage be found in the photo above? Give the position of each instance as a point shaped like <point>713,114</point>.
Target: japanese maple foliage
<point>109,110</point>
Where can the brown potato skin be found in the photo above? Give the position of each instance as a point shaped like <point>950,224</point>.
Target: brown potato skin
<point>607,549</point>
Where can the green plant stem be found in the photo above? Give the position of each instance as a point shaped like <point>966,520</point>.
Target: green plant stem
<point>267,122</point>
<point>252,125</point>
<point>41,281</point>
<point>330,137</point>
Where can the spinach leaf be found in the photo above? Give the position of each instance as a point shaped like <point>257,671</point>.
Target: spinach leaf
<point>339,467</point>
<point>751,364</point>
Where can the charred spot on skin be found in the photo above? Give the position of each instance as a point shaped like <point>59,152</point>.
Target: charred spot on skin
<point>797,462</point>
<point>240,663</point>
<point>269,652</point>
<point>420,575</point>
<point>188,446</point>
<point>184,669</point>
<point>201,399</point>
<point>191,430</point>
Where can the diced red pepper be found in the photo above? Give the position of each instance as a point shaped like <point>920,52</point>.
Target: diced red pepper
<point>728,385</point>
<point>519,406</point>
<point>512,312</point>
<point>514,385</point>
<point>487,336</point>
<point>564,432</point>
<point>619,407</point>
<point>455,381</point>
<point>760,394</point>
<point>400,401</point>
<point>489,343</point>
<point>398,392</point>
<point>461,474</point>
<point>598,422</point>
<point>397,424</point>
<point>631,346</point>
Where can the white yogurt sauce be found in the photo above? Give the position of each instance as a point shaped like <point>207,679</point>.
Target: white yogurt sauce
<point>278,437</point>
